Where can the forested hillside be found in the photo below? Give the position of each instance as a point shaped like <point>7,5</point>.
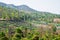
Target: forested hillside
<point>24,23</point>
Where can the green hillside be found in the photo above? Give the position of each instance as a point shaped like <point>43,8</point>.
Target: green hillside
<point>27,25</point>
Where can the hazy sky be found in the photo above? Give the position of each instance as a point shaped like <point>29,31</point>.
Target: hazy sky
<point>40,5</point>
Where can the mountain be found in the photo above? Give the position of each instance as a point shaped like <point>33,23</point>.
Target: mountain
<point>2,4</point>
<point>25,8</point>
<point>21,7</point>
<point>32,18</point>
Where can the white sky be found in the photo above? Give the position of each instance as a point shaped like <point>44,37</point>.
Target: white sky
<point>40,5</point>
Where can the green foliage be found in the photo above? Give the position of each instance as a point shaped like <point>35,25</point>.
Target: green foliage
<point>3,36</point>
<point>54,29</point>
<point>19,31</point>
<point>23,25</point>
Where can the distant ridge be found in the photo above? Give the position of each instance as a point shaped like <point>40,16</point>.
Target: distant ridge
<point>21,7</point>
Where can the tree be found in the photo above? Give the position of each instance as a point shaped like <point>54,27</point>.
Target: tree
<point>3,36</point>
<point>18,34</point>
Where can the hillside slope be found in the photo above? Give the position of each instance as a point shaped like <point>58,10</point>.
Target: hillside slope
<point>14,13</point>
